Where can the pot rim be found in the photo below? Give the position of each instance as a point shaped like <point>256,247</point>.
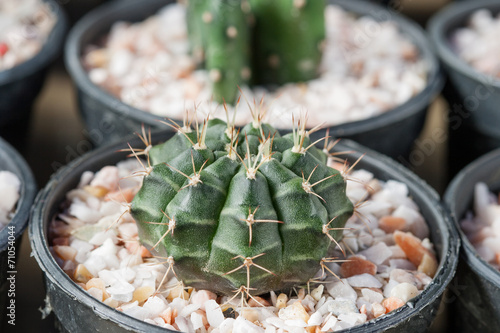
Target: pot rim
<point>47,53</point>
<point>439,30</point>
<point>468,252</point>
<point>95,159</point>
<point>435,77</point>
<point>26,196</point>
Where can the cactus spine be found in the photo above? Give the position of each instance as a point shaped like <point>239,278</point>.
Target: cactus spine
<point>257,41</point>
<point>241,210</point>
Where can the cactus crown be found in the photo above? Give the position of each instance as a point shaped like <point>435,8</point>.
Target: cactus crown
<point>240,209</point>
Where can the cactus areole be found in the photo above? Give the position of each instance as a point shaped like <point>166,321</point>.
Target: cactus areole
<point>260,42</point>
<point>241,210</point>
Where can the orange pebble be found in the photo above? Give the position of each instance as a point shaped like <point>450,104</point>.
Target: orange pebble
<point>411,246</point>
<point>82,274</point>
<point>145,253</point>
<point>65,252</point>
<point>313,329</point>
<point>357,265</point>
<point>391,223</point>
<point>256,301</point>
<point>96,191</point>
<point>168,316</point>
<point>392,303</point>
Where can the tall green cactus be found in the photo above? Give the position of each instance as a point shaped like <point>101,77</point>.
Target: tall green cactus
<point>246,209</point>
<point>267,42</point>
<point>287,40</point>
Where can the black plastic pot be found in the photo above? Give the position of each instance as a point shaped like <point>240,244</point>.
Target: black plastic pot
<point>476,284</point>
<point>10,236</point>
<point>107,118</point>
<point>77,311</point>
<point>20,85</point>
<point>474,97</point>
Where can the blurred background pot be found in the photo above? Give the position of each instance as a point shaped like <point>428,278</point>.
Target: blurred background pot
<point>477,284</point>
<point>107,118</point>
<point>20,85</point>
<point>10,235</point>
<point>78,311</point>
<point>474,97</point>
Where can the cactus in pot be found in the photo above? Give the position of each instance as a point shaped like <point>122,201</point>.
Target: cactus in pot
<point>246,210</point>
<point>256,41</point>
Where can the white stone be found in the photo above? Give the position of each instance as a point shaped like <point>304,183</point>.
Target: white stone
<point>214,313</point>
<point>342,290</point>
<point>155,305</point>
<point>315,320</point>
<point>244,326</point>
<point>364,280</point>
<point>404,291</point>
<point>338,307</point>
<point>377,253</point>
<point>372,296</point>
<point>121,291</point>
<point>227,325</point>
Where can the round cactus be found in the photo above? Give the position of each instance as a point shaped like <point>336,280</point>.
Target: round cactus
<point>244,209</point>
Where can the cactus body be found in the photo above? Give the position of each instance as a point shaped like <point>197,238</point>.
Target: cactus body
<point>229,221</point>
<point>220,33</point>
<point>269,42</point>
<point>288,35</point>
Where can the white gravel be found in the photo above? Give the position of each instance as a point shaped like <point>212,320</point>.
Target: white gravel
<point>10,186</point>
<point>106,260</point>
<point>368,68</point>
<point>482,226</point>
<point>478,43</point>
<point>24,28</point>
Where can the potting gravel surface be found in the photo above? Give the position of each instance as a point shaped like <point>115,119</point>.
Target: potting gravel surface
<point>478,43</point>
<point>9,195</point>
<point>24,28</point>
<point>389,261</point>
<point>482,226</point>
<point>368,67</point>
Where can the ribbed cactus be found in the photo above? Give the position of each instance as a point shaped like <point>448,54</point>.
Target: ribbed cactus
<point>246,209</point>
<point>267,42</point>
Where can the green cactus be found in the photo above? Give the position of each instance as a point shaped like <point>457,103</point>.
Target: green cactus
<point>220,35</point>
<point>241,210</point>
<point>287,40</point>
<point>267,42</point>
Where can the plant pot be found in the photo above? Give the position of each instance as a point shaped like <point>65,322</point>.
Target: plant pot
<point>10,236</point>
<point>20,85</point>
<point>474,121</point>
<point>77,311</point>
<point>476,284</point>
<point>107,118</point>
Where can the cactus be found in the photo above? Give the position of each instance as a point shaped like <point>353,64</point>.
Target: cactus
<point>220,35</point>
<point>288,38</point>
<point>241,210</point>
<point>270,42</point>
